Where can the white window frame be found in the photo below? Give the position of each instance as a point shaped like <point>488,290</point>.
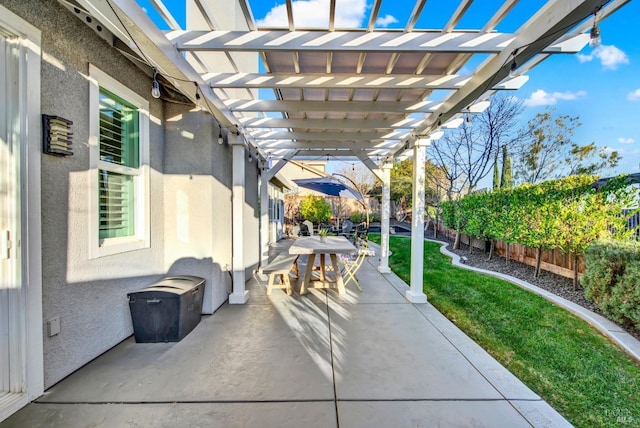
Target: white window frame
<point>142,235</point>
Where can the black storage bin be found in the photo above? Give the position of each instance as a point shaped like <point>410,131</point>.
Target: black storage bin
<point>167,310</point>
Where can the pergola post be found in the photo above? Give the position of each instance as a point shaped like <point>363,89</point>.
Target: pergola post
<point>385,214</point>
<point>415,294</point>
<point>264,217</point>
<point>239,295</point>
<point>268,172</point>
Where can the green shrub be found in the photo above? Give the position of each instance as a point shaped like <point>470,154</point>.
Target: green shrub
<point>357,217</point>
<point>374,218</point>
<point>448,214</point>
<point>315,209</point>
<point>612,279</point>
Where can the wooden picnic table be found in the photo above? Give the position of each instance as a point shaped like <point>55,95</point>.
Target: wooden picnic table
<point>331,245</point>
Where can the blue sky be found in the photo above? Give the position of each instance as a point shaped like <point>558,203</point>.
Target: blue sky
<point>602,87</point>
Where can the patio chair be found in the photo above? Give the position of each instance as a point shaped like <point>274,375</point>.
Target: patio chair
<point>346,228</point>
<point>304,231</point>
<point>361,229</point>
<point>309,226</point>
<point>352,262</point>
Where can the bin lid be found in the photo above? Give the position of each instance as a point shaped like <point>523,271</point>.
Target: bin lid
<point>171,285</point>
<point>181,281</point>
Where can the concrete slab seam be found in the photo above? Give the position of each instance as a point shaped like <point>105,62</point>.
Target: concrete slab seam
<point>445,337</point>
<point>454,345</point>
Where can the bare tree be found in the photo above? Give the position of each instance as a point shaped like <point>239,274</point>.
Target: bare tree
<point>547,151</point>
<point>467,154</point>
<point>361,177</point>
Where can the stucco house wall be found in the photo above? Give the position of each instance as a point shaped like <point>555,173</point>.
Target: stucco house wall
<point>190,199</point>
<point>88,295</point>
<point>197,195</point>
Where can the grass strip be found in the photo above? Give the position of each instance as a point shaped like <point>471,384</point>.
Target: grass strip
<point>569,364</point>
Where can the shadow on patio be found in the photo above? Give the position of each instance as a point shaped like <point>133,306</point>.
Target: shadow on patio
<point>367,359</point>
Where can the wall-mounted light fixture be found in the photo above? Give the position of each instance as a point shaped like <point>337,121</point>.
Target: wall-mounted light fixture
<point>56,135</point>
<point>155,86</point>
<point>594,36</point>
<point>514,65</point>
<point>197,94</point>
<point>512,69</point>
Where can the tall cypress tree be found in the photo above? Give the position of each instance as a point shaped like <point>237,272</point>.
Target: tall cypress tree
<point>496,173</point>
<point>506,182</point>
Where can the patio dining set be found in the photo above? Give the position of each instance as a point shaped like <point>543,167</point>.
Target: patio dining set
<point>345,258</point>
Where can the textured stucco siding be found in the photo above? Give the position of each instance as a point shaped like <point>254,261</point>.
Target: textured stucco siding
<point>190,198</point>
<point>89,296</point>
<point>198,202</point>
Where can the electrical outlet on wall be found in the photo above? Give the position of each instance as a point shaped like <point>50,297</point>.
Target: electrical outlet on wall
<point>53,326</point>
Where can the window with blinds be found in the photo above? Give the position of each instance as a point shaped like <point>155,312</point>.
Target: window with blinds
<point>119,156</point>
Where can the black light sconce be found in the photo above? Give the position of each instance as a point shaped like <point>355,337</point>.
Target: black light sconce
<point>56,135</point>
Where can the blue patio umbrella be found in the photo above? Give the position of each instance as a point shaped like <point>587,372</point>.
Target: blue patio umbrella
<point>329,186</point>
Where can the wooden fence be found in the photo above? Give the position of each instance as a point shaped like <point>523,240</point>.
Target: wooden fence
<point>555,261</point>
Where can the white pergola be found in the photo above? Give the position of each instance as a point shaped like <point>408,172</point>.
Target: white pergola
<point>371,94</point>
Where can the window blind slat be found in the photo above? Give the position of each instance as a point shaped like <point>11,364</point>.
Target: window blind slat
<point>118,145</point>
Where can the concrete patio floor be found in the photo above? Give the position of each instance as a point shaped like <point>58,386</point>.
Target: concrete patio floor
<point>369,359</point>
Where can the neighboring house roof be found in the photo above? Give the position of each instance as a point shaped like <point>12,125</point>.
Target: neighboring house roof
<point>631,178</point>
<point>282,183</point>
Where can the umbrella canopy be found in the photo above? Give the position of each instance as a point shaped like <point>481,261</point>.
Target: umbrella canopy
<point>329,186</point>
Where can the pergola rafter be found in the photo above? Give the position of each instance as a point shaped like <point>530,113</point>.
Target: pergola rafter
<point>354,83</point>
<point>244,105</point>
<point>394,42</point>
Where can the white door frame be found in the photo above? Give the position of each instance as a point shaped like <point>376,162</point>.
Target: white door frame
<point>26,333</point>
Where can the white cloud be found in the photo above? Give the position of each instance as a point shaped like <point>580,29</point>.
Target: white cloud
<point>542,98</point>
<point>634,95</point>
<point>610,56</point>
<point>623,140</point>
<point>386,20</point>
<point>315,13</point>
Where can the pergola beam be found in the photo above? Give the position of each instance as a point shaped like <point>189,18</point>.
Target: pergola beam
<point>338,81</point>
<point>270,122</point>
<point>370,164</point>
<point>372,137</point>
<point>316,154</point>
<point>329,144</point>
<point>348,41</point>
<point>405,107</point>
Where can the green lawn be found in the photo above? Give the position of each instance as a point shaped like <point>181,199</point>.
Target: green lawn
<point>560,357</point>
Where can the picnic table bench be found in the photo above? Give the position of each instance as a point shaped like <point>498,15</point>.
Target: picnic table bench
<point>281,265</point>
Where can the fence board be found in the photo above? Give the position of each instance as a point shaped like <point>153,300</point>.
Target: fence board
<point>554,261</point>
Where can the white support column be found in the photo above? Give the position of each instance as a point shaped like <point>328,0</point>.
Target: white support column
<point>385,213</point>
<point>239,295</point>
<point>264,217</point>
<point>268,172</point>
<point>415,294</point>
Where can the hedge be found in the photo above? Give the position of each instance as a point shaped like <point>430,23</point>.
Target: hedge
<point>567,213</point>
